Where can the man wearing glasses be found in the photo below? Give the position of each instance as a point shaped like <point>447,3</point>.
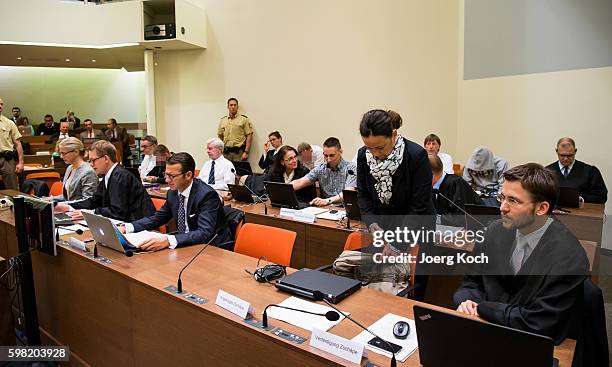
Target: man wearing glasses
<point>194,205</point>
<point>148,144</point>
<point>120,195</point>
<point>576,174</point>
<point>535,269</point>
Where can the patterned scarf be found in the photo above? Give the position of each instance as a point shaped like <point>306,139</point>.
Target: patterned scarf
<point>383,170</point>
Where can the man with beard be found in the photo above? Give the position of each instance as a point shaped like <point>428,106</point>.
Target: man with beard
<point>533,280</point>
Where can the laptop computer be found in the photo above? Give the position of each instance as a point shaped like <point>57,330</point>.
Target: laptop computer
<point>480,213</point>
<point>241,193</point>
<point>447,339</point>
<point>306,281</point>
<point>282,195</point>
<point>351,204</point>
<point>243,168</point>
<point>569,197</point>
<point>106,233</point>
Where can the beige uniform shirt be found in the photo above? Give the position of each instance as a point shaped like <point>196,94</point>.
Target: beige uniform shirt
<point>8,134</point>
<point>234,131</point>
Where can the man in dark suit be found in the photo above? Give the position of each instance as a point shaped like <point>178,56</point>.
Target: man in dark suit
<point>63,133</point>
<point>535,268</point>
<point>90,132</point>
<point>450,192</point>
<point>573,173</point>
<point>49,127</point>
<point>115,133</point>
<point>195,206</point>
<point>120,194</point>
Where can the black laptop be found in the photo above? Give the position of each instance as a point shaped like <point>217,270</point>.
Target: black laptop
<point>306,281</point>
<point>351,204</point>
<point>569,197</point>
<point>447,339</point>
<point>241,193</point>
<point>282,195</point>
<point>243,168</point>
<point>480,216</point>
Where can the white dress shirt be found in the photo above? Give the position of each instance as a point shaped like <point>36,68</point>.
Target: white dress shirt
<point>63,136</point>
<point>129,228</point>
<point>569,168</point>
<point>224,173</point>
<point>447,162</point>
<point>148,163</point>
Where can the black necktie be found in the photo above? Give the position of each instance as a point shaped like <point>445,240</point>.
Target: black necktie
<point>565,171</point>
<point>181,215</point>
<point>211,175</point>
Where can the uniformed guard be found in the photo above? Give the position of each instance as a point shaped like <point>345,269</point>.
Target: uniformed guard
<point>11,152</point>
<point>236,132</point>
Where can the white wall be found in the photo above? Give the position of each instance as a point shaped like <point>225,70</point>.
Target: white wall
<point>311,69</point>
<point>92,93</point>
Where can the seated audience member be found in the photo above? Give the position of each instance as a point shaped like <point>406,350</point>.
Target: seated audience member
<point>16,114</point>
<point>270,148</point>
<point>80,180</point>
<point>90,132</point>
<point>194,205</point>
<point>158,173</point>
<point>447,188</point>
<point>148,145</point>
<point>334,176</point>
<point>218,171</point>
<point>49,127</point>
<point>574,173</point>
<point>432,145</point>
<point>115,133</point>
<point>484,172</point>
<point>120,194</point>
<point>536,267</point>
<point>73,121</point>
<point>64,132</point>
<point>24,127</point>
<point>310,155</point>
<point>287,168</point>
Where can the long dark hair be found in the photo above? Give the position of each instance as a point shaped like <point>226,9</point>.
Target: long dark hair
<point>278,168</point>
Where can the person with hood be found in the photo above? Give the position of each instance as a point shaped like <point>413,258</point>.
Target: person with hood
<point>484,172</point>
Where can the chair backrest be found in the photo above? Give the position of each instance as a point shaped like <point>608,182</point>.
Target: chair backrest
<point>273,244</point>
<point>158,203</point>
<point>57,188</point>
<point>43,175</point>
<point>590,248</point>
<point>234,219</point>
<point>357,240</point>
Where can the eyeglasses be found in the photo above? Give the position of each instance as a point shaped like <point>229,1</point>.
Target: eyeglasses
<point>92,161</point>
<point>171,177</point>
<point>64,153</point>
<point>511,201</point>
<point>294,158</point>
<point>567,155</point>
<point>145,146</point>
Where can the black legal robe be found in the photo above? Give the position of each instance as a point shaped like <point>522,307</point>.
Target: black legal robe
<point>459,192</point>
<point>586,178</point>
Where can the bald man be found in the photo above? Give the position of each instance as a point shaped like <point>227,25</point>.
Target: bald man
<point>574,173</point>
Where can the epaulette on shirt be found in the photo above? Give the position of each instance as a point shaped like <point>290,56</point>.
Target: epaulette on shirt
<point>223,117</point>
<point>245,116</point>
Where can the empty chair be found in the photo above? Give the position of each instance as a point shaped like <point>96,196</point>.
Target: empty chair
<point>259,241</point>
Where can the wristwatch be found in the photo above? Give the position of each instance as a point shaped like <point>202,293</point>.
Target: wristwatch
<point>329,201</point>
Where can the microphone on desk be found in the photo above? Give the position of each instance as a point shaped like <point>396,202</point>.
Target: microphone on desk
<point>319,296</point>
<point>330,315</point>
<point>179,283</point>
<point>437,192</point>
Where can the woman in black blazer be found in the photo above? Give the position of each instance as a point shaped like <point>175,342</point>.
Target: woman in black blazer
<point>287,168</point>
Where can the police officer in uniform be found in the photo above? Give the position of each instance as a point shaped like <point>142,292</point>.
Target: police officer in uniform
<point>11,152</point>
<point>236,132</point>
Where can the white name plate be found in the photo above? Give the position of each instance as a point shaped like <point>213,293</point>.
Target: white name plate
<point>336,345</point>
<point>77,244</point>
<point>304,217</point>
<point>233,304</point>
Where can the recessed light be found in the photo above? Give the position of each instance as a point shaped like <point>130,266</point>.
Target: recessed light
<point>19,58</point>
<point>93,60</point>
<point>67,60</point>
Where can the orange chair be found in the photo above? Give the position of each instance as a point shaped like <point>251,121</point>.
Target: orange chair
<point>49,177</point>
<point>259,241</point>
<point>158,203</point>
<point>197,172</point>
<point>57,188</point>
<point>357,240</point>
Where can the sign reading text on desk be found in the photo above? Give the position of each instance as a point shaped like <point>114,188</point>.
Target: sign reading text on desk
<point>337,345</point>
<point>233,304</point>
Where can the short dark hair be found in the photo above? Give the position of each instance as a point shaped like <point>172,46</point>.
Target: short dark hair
<point>569,140</point>
<point>16,108</point>
<point>104,148</point>
<point>432,137</point>
<point>436,163</point>
<point>277,167</point>
<point>161,149</point>
<point>276,134</point>
<point>151,139</point>
<point>379,123</point>
<point>84,121</point>
<point>303,147</point>
<point>539,181</point>
<point>113,121</point>
<point>185,160</point>
<point>49,115</point>
<point>232,99</point>
<point>332,142</point>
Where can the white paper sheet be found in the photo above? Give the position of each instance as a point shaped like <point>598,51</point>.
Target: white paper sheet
<point>313,210</point>
<point>303,320</point>
<point>384,329</point>
<point>136,239</point>
<point>71,229</point>
<point>338,215</point>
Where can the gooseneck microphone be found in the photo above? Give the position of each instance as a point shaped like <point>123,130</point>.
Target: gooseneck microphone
<point>348,220</point>
<point>258,198</point>
<point>330,315</point>
<point>437,192</point>
<point>319,296</point>
<point>179,283</point>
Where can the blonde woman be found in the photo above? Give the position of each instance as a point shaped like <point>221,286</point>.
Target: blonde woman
<point>80,180</point>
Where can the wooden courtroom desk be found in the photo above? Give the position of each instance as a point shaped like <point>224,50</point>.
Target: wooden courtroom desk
<point>118,314</point>
<point>586,223</point>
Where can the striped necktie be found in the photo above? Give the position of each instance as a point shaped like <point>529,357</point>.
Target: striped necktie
<point>180,223</point>
<point>211,175</point>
